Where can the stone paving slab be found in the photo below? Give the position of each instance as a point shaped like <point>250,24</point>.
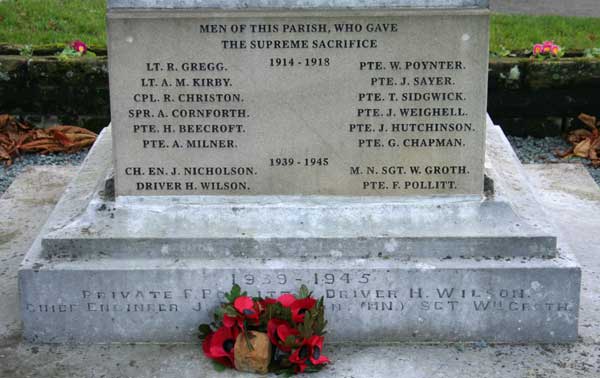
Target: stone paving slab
<point>566,190</point>
<point>569,190</point>
<point>24,209</point>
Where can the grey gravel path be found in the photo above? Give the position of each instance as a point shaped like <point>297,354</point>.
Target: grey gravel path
<point>529,150</point>
<point>541,151</point>
<point>587,8</point>
<point>8,174</point>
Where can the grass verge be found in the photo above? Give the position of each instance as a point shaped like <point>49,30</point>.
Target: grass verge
<point>517,32</point>
<point>37,22</point>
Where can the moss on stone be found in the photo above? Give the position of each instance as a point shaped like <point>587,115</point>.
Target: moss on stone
<point>537,75</point>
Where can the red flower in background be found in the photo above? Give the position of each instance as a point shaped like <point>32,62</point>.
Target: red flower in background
<point>278,331</point>
<point>219,346</point>
<point>79,46</point>
<point>309,351</point>
<point>546,48</point>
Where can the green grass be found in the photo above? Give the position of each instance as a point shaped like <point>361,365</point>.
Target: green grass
<point>516,32</point>
<point>38,22</point>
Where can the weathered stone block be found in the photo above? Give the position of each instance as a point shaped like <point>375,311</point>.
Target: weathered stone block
<point>134,297</point>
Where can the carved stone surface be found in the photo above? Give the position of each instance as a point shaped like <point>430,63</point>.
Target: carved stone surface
<point>354,103</point>
<point>133,297</point>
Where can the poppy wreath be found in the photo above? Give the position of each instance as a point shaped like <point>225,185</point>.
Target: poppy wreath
<point>294,324</point>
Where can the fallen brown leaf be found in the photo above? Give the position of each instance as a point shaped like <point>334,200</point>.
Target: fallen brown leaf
<point>585,142</point>
<point>588,120</point>
<point>582,149</point>
<point>18,137</point>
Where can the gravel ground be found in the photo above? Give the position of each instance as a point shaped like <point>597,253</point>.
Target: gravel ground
<point>529,150</point>
<point>8,174</point>
<point>541,150</point>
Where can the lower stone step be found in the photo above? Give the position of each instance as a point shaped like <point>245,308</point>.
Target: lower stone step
<point>513,300</point>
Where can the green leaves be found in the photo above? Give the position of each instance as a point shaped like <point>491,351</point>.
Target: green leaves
<point>204,331</point>
<point>592,52</point>
<point>230,311</point>
<point>70,53</point>
<point>320,322</point>
<point>218,367</point>
<point>290,342</point>
<point>235,293</point>
<point>277,311</point>
<point>305,329</point>
<point>26,51</point>
<point>304,292</point>
<point>314,321</point>
<point>501,52</point>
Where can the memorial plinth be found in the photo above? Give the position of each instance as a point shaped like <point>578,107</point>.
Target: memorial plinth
<point>342,102</point>
<point>342,146</point>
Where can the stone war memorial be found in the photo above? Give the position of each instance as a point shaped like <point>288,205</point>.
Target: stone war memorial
<point>341,144</point>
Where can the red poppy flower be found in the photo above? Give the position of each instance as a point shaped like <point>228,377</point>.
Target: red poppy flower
<point>219,346</point>
<point>300,306</point>
<point>225,361</point>
<point>247,309</point>
<point>231,322</point>
<point>278,331</point>
<point>286,300</point>
<point>309,351</point>
<point>79,46</point>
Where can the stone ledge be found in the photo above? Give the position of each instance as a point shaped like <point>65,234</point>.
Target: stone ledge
<point>213,227</point>
<point>154,300</point>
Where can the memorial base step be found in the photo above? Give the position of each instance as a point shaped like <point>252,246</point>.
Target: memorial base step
<point>132,296</point>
